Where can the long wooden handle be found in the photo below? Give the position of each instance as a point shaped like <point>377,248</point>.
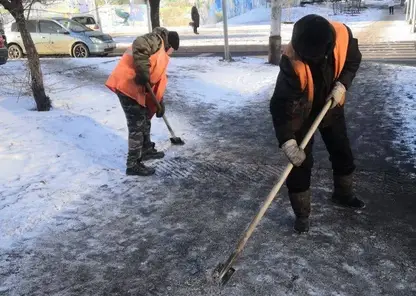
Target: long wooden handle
<point>315,124</point>
<point>152,95</point>
<point>154,99</point>
<point>273,193</point>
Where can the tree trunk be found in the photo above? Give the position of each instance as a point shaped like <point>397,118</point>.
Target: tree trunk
<point>43,102</point>
<point>154,13</point>
<point>275,39</point>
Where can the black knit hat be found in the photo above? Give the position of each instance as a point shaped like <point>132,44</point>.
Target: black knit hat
<point>173,39</point>
<point>313,37</point>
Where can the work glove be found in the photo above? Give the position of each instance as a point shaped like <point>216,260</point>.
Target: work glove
<point>293,152</point>
<point>337,94</point>
<point>160,112</point>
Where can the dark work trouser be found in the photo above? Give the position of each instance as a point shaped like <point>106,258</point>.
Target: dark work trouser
<point>337,144</point>
<point>391,10</point>
<point>138,124</point>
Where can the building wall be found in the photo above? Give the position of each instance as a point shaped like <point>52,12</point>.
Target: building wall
<point>173,13</point>
<point>178,12</point>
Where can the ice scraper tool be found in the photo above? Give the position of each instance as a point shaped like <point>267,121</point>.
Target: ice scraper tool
<point>174,139</point>
<point>223,272</point>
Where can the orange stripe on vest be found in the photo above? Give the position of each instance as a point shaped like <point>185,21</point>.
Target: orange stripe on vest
<point>303,71</point>
<point>122,79</point>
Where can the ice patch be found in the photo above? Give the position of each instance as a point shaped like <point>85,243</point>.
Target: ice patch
<point>352,270</point>
<point>51,160</point>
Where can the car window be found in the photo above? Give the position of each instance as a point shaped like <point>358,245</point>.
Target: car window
<point>84,20</point>
<point>80,20</point>
<point>73,26</point>
<point>30,25</point>
<point>90,21</point>
<point>48,27</point>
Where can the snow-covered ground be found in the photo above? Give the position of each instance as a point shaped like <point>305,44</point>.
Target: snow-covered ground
<point>261,16</point>
<point>72,223</point>
<point>48,160</point>
<point>253,27</point>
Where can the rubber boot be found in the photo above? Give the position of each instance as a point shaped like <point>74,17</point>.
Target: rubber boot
<point>301,205</point>
<point>139,169</point>
<point>343,194</point>
<point>149,151</point>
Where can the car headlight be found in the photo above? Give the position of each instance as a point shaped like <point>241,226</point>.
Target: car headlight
<point>96,40</point>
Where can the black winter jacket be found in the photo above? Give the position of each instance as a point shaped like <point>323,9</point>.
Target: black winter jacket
<point>195,16</point>
<point>289,104</point>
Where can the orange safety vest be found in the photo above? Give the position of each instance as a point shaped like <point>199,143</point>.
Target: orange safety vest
<point>304,72</point>
<point>122,79</point>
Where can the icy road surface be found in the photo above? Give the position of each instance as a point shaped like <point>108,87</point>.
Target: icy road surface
<point>71,223</point>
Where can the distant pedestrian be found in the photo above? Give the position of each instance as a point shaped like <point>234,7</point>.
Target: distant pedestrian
<point>195,19</point>
<point>391,7</point>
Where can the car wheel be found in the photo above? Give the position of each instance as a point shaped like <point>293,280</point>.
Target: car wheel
<point>80,50</point>
<point>15,52</point>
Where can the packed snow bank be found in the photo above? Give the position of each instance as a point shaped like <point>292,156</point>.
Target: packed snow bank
<point>262,15</point>
<point>375,3</point>
<point>50,160</point>
<point>399,30</point>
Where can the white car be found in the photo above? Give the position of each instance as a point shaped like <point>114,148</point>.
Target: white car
<point>87,20</point>
<point>60,36</point>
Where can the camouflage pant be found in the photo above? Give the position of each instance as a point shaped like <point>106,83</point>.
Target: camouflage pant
<point>138,124</point>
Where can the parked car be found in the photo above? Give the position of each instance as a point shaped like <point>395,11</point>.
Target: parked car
<point>60,36</point>
<point>3,50</point>
<point>2,33</point>
<point>87,20</point>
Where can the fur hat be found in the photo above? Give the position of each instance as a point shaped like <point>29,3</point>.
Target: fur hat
<point>313,37</point>
<point>173,39</point>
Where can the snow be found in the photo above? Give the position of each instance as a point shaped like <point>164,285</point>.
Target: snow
<point>380,3</point>
<point>262,15</point>
<point>49,160</point>
<point>253,27</point>
<point>71,223</point>
<point>399,30</point>
<point>407,108</point>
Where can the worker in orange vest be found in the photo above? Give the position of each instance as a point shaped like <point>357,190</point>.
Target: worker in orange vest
<point>319,64</point>
<point>145,61</point>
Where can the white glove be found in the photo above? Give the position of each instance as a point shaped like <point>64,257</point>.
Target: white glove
<point>337,94</point>
<point>295,154</point>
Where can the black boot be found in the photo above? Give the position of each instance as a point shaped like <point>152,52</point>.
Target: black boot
<point>301,205</point>
<point>343,194</point>
<point>139,169</point>
<point>149,151</point>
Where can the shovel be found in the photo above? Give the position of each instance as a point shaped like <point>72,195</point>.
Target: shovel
<point>223,272</point>
<point>174,139</point>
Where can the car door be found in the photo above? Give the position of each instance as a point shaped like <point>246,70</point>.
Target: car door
<point>47,29</point>
<point>59,42</point>
<point>41,42</point>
